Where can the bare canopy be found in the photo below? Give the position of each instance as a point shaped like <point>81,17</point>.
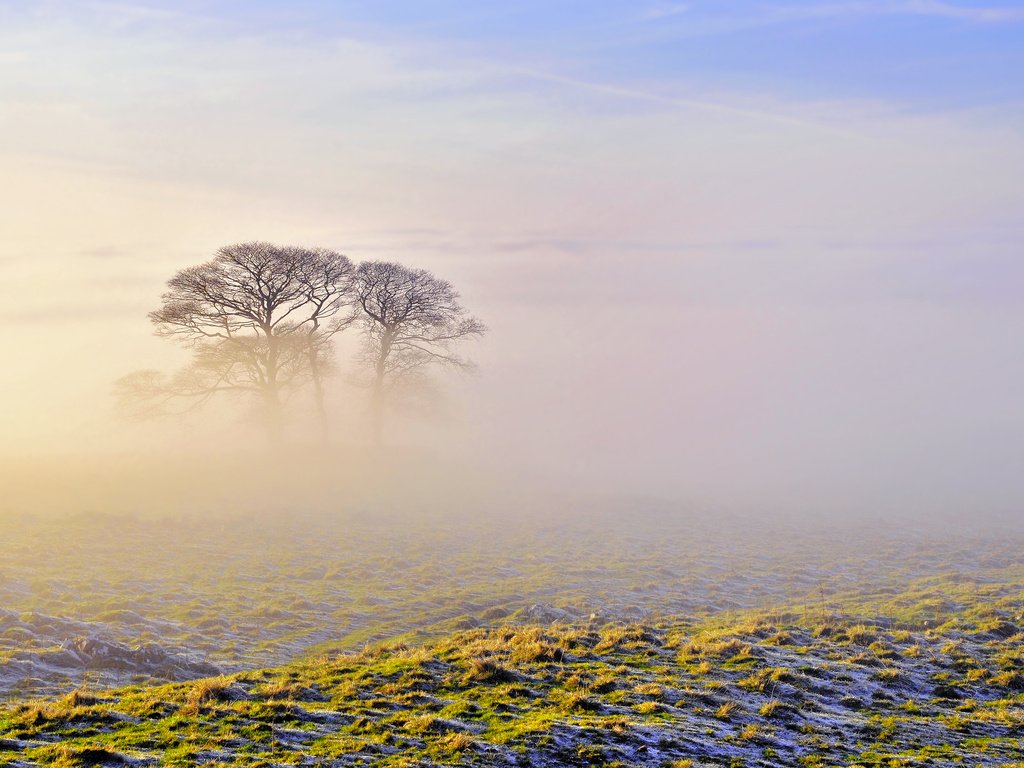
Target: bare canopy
<point>411,319</point>
<point>259,319</point>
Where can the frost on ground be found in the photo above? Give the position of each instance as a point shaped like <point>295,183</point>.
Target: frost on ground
<point>104,601</point>
<point>45,651</point>
<point>809,687</point>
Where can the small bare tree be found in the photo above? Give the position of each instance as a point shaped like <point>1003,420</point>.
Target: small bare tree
<point>259,320</point>
<point>411,319</point>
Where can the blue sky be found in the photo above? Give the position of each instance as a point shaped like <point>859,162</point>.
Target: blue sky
<point>922,53</point>
<point>927,53</point>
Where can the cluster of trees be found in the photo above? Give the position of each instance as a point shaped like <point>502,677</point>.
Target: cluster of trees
<point>260,320</point>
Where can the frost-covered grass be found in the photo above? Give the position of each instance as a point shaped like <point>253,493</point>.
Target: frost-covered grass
<point>643,639</point>
<point>253,592</point>
<point>838,691</point>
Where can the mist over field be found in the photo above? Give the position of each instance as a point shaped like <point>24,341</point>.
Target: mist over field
<point>767,295</point>
<point>532,384</point>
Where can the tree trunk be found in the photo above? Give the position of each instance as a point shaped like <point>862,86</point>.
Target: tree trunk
<point>274,418</point>
<point>377,406</point>
<point>377,410</point>
<point>319,397</point>
<point>271,392</point>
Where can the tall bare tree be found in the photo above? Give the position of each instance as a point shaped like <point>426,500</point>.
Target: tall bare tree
<point>411,319</point>
<point>326,279</point>
<point>259,319</point>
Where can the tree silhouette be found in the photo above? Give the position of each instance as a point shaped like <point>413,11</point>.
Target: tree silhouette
<point>258,319</point>
<point>325,278</point>
<point>410,319</point>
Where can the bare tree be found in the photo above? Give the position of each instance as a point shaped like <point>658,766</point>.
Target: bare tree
<point>326,278</point>
<point>411,319</point>
<point>259,319</point>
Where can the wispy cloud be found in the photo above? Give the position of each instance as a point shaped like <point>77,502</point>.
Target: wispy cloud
<point>707,105</point>
<point>977,14</point>
<point>700,21</point>
<point>130,13</point>
<point>704,105</point>
<point>665,10</point>
<point>935,8</point>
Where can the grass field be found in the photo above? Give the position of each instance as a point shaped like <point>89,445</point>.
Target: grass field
<point>606,638</point>
<point>762,688</point>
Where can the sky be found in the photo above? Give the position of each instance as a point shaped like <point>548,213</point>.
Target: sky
<point>742,253</point>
